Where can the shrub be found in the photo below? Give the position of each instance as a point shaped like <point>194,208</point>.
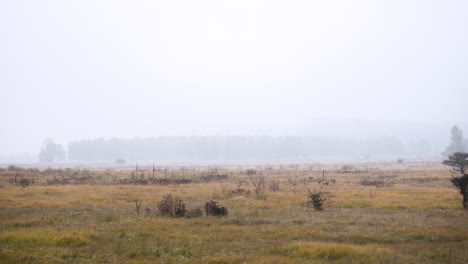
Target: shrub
<point>259,183</point>
<point>173,207</point>
<point>212,208</point>
<point>24,182</point>
<point>372,182</point>
<point>274,185</point>
<point>215,177</point>
<point>316,200</point>
<point>251,172</point>
<point>239,190</point>
<point>14,168</point>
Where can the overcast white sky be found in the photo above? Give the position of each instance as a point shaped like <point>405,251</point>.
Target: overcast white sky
<point>84,69</point>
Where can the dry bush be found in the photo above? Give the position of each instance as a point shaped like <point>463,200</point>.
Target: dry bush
<point>316,200</point>
<point>135,179</point>
<point>293,181</point>
<point>274,185</point>
<point>371,182</point>
<point>25,182</point>
<point>212,208</point>
<point>14,168</point>
<point>259,182</point>
<point>239,190</point>
<point>141,179</point>
<point>251,172</point>
<point>173,207</point>
<point>148,210</point>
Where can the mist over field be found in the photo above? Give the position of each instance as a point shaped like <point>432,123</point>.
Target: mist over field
<point>245,131</point>
<point>299,80</point>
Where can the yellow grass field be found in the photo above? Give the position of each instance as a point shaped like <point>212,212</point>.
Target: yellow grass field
<point>413,216</point>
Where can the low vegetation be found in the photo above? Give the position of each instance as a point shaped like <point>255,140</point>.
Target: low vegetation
<point>414,217</point>
<point>212,208</point>
<point>316,200</point>
<point>173,207</point>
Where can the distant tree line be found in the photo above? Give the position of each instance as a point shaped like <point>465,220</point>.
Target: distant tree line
<point>240,148</point>
<point>198,148</point>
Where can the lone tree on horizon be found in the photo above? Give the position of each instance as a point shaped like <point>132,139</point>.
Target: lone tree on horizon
<point>459,163</point>
<point>51,151</point>
<point>457,144</point>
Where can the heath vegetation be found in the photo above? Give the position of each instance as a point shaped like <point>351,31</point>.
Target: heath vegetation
<point>300,213</point>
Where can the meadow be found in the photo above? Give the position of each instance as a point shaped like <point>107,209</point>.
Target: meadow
<point>373,213</point>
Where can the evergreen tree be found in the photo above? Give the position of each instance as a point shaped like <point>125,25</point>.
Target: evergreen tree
<point>457,144</point>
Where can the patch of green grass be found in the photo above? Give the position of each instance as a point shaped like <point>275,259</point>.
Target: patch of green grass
<point>28,223</point>
<point>334,252</point>
<point>46,238</point>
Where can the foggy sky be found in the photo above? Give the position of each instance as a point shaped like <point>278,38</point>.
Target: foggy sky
<point>84,69</point>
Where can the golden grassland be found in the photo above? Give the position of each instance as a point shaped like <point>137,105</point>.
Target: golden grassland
<point>416,217</point>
